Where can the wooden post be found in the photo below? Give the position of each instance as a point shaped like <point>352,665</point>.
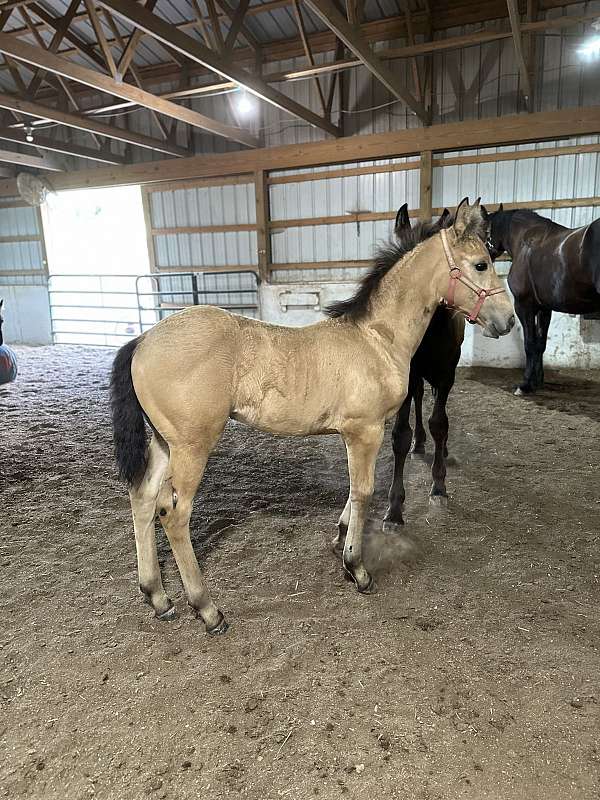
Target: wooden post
<point>426,177</point>
<point>263,218</point>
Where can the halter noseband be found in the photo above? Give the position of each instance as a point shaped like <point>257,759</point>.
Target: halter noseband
<point>456,276</point>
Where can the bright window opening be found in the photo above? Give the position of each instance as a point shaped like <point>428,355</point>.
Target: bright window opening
<point>96,243</point>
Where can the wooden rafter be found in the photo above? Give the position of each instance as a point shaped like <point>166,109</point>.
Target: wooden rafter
<point>308,51</point>
<point>101,82</point>
<point>100,37</point>
<point>410,34</point>
<point>515,25</point>
<point>517,128</point>
<point>133,70</point>
<point>329,14</point>
<point>237,24</point>
<point>215,25</point>
<point>59,35</point>
<point>82,123</point>
<point>132,43</point>
<point>56,146</point>
<point>197,52</point>
<point>28,160</point>
<point>232,13</point>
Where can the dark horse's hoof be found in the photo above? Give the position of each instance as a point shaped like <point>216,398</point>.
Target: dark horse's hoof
<point>392,526</point>
<point>523,389</point>
<point>168,615</point>
<point>220,628</point>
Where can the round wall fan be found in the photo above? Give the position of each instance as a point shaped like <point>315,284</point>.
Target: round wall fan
<point>33,188</point>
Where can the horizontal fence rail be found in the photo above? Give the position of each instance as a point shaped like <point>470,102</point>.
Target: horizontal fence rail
<point>108,310</point>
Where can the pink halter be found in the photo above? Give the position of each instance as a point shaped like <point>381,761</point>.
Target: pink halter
<point>456,276</point>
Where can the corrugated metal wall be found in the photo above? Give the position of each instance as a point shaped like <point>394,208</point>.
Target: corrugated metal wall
<point>176,217</point>
<point>21,247</point>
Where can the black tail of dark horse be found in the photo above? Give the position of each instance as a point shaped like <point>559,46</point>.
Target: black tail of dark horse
<point>129,429</point>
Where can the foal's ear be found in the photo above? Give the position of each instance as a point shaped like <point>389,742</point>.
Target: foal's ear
<point>469,220</point>
<point>402,219</point>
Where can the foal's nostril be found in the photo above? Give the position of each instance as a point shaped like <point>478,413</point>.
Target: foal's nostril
<point>511,322</point>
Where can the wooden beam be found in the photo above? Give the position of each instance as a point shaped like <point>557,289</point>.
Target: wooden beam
<point>411,40</point>
<point>56,24</point>
<point>100,37</point>
<point>168,34</point>
<point>59,35</point>
<point>515,26</point>
<point>68,69</point>
<point>425,182</point>
<point>517,128</point>
<point>237,23</point>
<point>81,123</point>
<point>230,12</point>
<point>56,146</point>
<point>38,162</point>
<point>308,52</point>
<point>263,217</point>
<point>131,45</point>
<point>328,13</point>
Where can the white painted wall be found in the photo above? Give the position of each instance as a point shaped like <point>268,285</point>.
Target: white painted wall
<point>26,315</point>
<point>572,341</point>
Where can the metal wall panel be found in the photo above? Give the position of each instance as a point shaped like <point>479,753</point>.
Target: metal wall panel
<point>18,256</point>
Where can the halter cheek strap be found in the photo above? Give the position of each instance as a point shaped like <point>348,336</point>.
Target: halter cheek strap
<point>456,276</point>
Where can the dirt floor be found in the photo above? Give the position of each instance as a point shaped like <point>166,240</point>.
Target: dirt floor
<point>473,672</point>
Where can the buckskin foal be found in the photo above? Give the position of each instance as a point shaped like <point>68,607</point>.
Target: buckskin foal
<point>196,369</point>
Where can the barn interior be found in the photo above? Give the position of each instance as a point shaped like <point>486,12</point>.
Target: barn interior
<point>251,155</point>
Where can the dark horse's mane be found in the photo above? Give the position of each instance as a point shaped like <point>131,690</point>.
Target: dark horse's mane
<point>388,254</point>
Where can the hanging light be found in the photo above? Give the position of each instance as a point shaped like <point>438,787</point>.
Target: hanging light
<point>244,104</point>
<point>28,132</point>
<point>591,48</point>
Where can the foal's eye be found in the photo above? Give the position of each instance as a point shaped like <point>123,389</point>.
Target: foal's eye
<point>481,266</point>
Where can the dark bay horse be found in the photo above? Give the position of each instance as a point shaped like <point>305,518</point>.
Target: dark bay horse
<point>435,361</point>
<point>554,268</point>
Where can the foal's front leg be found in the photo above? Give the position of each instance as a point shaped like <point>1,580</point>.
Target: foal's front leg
<point>362,447</point>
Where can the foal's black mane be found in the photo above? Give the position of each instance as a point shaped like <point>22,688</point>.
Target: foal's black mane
<point>357,306</point>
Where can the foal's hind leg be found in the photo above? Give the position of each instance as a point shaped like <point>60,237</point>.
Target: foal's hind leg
<point>418,390</point>
<point>337,543</point>
<point>438,425</point>
<point>184,473</point>
<point>362,446</point>
<point>401,440</point>
<point>143,507</point>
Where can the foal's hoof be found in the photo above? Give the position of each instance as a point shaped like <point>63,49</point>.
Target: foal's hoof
<point>220,628</point>
<point>370,588</point>
<point>337,546</point>
<point>168,615</point>
<point>392,527</point>
<point>438,501</point>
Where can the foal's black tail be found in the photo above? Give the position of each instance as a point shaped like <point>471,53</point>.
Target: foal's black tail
<point>129,430</point>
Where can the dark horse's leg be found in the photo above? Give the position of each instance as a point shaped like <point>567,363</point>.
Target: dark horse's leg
<point>543,318</point>
<point>527,316</point>
<point>438,425</point>
<point>401,441</point>
<point>418,446</point>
